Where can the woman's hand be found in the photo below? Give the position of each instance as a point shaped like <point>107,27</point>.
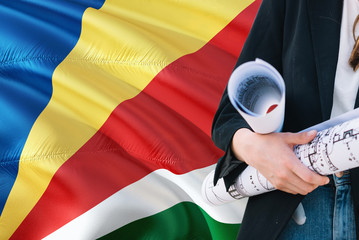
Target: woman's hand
<point>272,155</point>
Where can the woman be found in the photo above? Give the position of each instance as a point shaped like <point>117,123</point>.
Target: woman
<point>307,41</point>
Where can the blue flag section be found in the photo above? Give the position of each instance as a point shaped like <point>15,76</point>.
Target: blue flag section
<point>35,37</point>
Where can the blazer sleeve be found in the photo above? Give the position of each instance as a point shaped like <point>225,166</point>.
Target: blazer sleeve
<point>264,41</point>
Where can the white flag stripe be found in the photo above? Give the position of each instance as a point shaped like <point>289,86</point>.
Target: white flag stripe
<point>152,194</point>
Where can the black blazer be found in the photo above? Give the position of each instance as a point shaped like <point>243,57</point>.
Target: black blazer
<point>300,38</point>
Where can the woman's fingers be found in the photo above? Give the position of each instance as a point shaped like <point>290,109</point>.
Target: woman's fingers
<point>296,178</point>
<point>272,155</point>
<point>309,176</point>
<point>300,138</point>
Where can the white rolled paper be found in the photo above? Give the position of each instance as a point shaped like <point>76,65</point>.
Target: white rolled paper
<point>333,150</point>
<point>257,91</point>
<point>215,195</point>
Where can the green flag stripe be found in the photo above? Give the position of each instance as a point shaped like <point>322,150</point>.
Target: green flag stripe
<point>185,220</point>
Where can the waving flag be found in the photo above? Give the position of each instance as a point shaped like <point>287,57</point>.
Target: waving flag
<point>106,110</point>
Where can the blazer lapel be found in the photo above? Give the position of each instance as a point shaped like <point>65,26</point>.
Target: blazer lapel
<point>325,19</point>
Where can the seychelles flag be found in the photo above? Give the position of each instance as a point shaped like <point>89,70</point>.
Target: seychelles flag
<point>105,116</point>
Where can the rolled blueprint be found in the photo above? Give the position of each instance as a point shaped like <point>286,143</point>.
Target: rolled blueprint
<point>334,149</point>
<point>257,92</point>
